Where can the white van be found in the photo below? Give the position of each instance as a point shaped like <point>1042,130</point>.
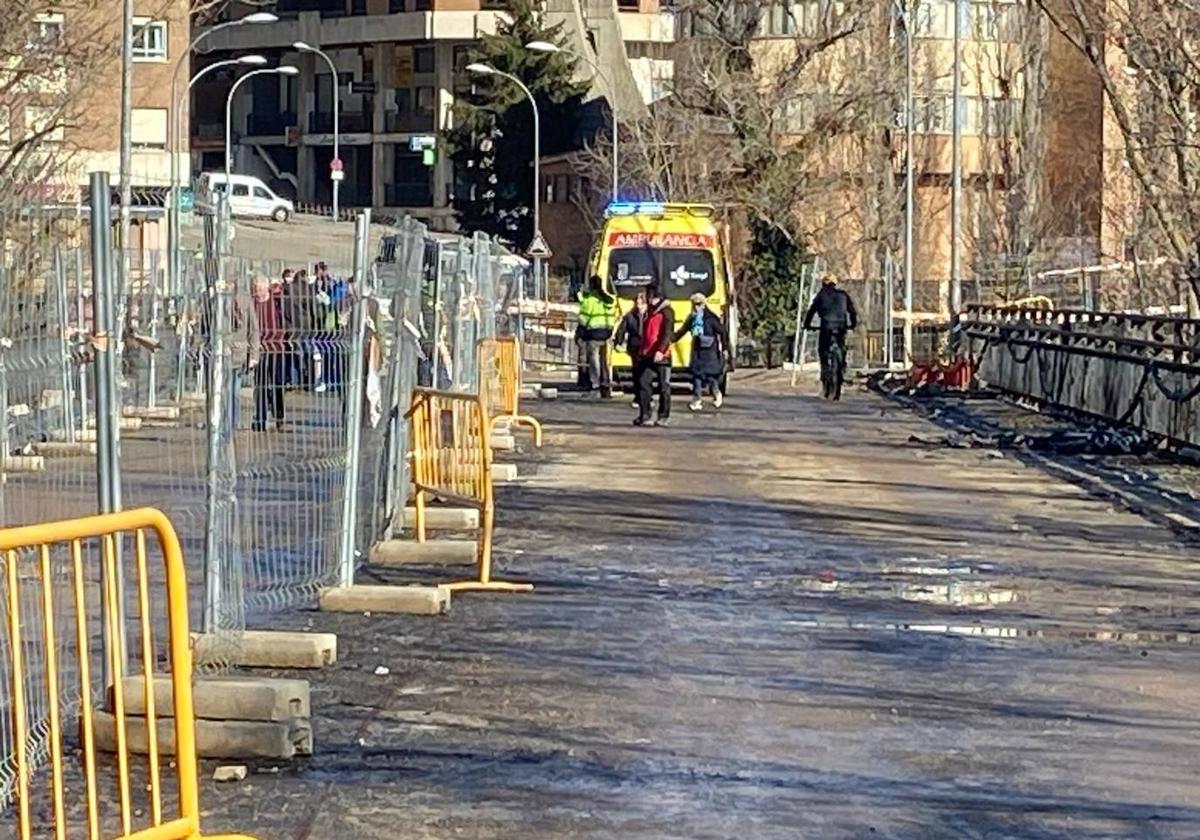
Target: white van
<point>249,197</point>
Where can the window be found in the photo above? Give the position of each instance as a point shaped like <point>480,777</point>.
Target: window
<point>425,100</point>
<point>423,59</point>
<point>680,273</point>
<point>46,34</point>
<point>149,40</point>
<point>149,128</point>
<point>259,192</point>
<point>44,122</point>
<point>240,190</point>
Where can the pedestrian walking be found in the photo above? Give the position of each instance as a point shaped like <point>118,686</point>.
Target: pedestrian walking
<point>295,325</point>
<point>629,336</point>
<point>597,312</point>
<point>837,313</point>
<point>653,369</point>
<point>269,374</point>
<point>244,344</point>
<point>710,345</point>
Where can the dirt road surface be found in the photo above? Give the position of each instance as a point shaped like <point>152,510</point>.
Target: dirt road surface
<point>781,621</point>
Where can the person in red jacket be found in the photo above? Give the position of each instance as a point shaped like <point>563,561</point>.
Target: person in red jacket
<point>653,365</point>
<point>272,366</point>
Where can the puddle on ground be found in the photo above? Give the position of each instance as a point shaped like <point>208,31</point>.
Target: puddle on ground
<point>1050,632</point>
<point>963,586</point>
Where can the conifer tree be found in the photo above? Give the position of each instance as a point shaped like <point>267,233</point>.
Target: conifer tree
<point>492,141</point>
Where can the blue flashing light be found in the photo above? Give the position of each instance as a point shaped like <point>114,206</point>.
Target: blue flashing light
<point>634,208</point>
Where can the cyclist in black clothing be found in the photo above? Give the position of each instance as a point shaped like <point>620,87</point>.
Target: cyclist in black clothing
<point>838,315</point>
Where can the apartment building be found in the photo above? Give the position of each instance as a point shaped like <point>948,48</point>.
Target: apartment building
<point>68,101</point>
<point>1071,163</point>
<point>400,65</point>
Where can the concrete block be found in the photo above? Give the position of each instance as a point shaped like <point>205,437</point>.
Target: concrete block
<point>410,600</point>
<point>81,436</point>
<point>226,698</point>
<point>214,738</point>
<point>267,649</point>
<point>230,773</point>
<point>125,424</point>
<point>548,393</point>
<point>444,519</point>
<point>503,473</point>
<point>503,443</point>
<point>432,553</point>
<point>158,412</point>
<point>62,449</point>
<point>23,463</point>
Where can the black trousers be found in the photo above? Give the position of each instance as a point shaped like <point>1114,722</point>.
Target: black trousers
<point>648,375</point>
<point>269,379</point>
<point>827,340</point>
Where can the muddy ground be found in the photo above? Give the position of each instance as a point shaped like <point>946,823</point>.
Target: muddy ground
<point>782,621</point>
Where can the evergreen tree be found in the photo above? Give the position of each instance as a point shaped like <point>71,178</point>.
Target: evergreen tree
<point>773,271</point>
<point>492,141</point>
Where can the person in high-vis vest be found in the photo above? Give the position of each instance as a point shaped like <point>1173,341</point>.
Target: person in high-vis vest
<point>597,316</point>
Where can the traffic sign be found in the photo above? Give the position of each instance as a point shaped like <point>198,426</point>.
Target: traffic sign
<point>420,142</point>
<point>335,165</point>
<point>187,200</point>
<point>539,248</point>
<point>362,87</point>
<point>337,175</point>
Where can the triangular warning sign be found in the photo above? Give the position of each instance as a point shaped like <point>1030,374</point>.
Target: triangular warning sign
<point>539,247</point>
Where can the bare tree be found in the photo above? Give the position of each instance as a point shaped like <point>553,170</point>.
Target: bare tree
<point>1146,57</point>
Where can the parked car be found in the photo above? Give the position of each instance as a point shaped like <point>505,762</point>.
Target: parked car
<point>249,197</point>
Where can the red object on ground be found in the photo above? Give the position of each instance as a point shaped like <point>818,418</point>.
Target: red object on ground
<point>956,376</point>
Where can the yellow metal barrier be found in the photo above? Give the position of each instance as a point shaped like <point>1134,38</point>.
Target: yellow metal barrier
<point>50,666</point>
<point>452,460</point>
<point>500,382</point>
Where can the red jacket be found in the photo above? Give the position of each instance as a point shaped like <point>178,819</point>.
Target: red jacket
<point>656,334</point>
<point>270,324</point>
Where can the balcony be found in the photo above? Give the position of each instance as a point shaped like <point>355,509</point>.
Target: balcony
<point>409,194</point>
<point>258,124</point>
<point>349,122</point>
<point>407,122</point>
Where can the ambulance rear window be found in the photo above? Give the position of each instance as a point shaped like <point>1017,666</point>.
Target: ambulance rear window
<point>679,272</point>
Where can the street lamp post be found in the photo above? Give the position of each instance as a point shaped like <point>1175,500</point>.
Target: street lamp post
<point>902,9</point>
<point>335,175</point>
<point>280,71</point>
<point>548,47</point>
<point>955,302</point>
<point>173,232</point>
<point>488,70</point>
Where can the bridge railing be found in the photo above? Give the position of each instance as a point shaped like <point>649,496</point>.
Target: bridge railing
<point>1131,369</point>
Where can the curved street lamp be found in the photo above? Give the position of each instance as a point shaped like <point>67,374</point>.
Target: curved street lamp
<point>301,46</point>
<point>549,48</point>
<point>488,70</point>
<point>286,70</point>
<point>175,139</point>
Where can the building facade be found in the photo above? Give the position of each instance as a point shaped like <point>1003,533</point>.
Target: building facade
<point>400,65</point>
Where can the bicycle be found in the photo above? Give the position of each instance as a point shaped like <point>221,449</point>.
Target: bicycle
<point>833,365</point>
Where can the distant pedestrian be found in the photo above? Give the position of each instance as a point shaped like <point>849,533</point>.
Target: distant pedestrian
<point>629,336</point>
<point>597,312</point>
<point>710,344</point>
<point>837,313</point>
<point>269,374</point>
<point>653,368</point>
<point>245,350</point>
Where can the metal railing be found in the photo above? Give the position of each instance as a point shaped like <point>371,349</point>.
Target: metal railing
<point>52,644</point>
<point>1134,369</point>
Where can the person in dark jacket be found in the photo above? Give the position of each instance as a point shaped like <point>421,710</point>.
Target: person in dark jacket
<point>653,366</point>
<point>271,370</point>
<point>629,334</point>
<point>837,313</point>
<point>710,345</point>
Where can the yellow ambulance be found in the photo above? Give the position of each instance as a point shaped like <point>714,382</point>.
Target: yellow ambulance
<point>678,247</point>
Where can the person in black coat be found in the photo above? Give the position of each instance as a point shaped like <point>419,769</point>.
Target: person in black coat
<point>710,346</point>
<point>629,335</point>
<point>837,313</point>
